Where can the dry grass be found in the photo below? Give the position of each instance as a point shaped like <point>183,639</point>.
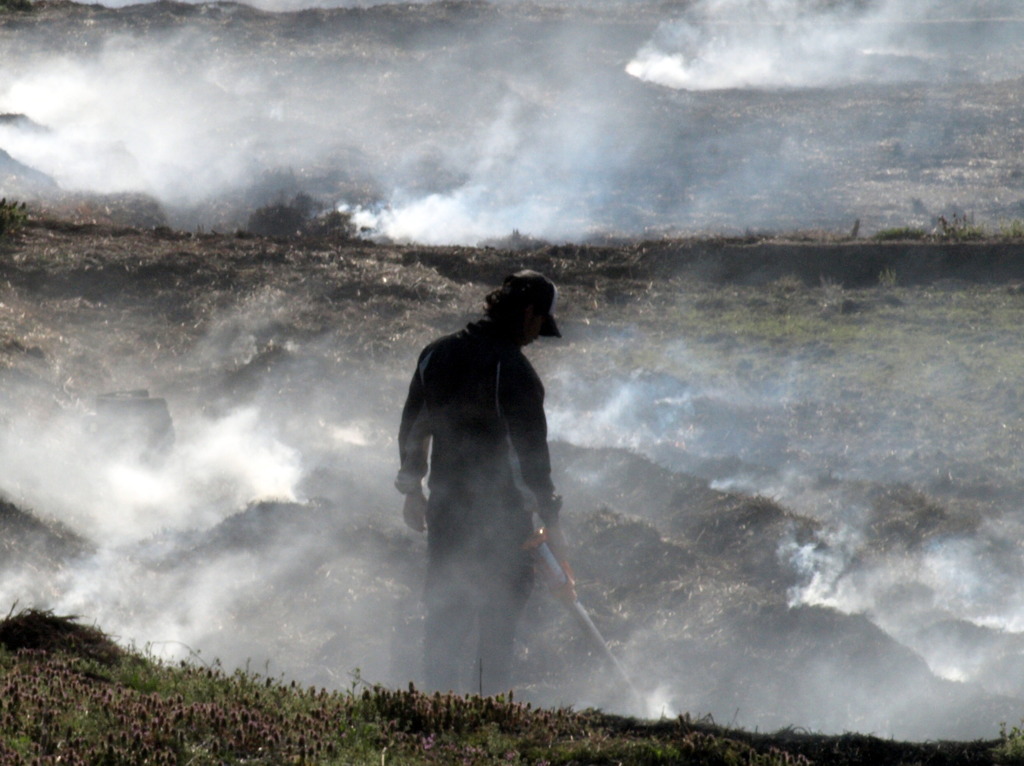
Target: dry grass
<point>43,631</point>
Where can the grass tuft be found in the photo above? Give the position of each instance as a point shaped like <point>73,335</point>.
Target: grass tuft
<point>887,277</point>
<point>1010,749</point>
<point>1012,229</point>
<point>12,214</point>
<point>960,228</point>
<point>37,630</point>
<point>900,233</point>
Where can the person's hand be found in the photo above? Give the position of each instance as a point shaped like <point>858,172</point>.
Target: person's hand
<point>415,511</point>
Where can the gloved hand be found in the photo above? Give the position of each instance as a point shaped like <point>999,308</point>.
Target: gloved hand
<point>548,508</point>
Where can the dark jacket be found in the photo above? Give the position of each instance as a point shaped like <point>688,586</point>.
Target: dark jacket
<point>479,400</point>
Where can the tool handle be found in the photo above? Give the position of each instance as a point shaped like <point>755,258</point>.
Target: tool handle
<point>556,572</point>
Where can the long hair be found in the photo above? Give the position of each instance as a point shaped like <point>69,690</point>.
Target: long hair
<point>505,307</point>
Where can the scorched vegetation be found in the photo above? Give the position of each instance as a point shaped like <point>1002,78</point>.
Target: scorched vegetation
<point>767,383</point>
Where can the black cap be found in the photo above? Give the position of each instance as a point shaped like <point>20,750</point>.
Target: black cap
<point>534,289</point>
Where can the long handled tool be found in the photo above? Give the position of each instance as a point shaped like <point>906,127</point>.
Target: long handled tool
<point>562,584</point>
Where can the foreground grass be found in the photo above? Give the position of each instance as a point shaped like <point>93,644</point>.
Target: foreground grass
<point>63,709</point>
<point>82,700</point>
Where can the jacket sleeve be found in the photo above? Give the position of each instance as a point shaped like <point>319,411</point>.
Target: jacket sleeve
<point>413,438</point>
<point>521,397</point>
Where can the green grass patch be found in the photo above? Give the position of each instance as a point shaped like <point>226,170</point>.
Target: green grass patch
<point>1012,229</point>
<point>961,350</point>
<point>1010,750</point>
<point>58,705</point>
<point>900,233</point>
<point>13,215</point>
<point>955,229</point>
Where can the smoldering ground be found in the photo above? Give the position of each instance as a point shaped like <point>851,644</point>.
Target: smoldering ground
<point>234,534</point>
<point>724,44</point>
<point>781,517</point>
<point>753,543</point>
<point>449,123</point>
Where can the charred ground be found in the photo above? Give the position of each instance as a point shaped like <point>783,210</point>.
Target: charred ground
<point>521,109</point>
<point>792,465</point>
<point>686,515</point>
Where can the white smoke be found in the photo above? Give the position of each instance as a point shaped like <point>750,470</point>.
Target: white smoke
<point>562,144</point>
<point>181,559</point>
<point>720,44</point>
<point>542,176</point>
<point>216,467</point>
<point>201,544</point>
<point>969,583</point>
<point>128,119</point>
<point>193,116</point>
<point>936,573</point>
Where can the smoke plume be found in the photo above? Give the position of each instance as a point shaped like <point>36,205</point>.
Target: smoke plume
<point>764,123</point>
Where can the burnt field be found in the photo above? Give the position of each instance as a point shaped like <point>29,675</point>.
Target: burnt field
<point>461,122</point>
<point>791,463</point>
<point>792,502</point>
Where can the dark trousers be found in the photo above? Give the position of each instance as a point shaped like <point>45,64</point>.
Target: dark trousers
<point>467,598</point>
